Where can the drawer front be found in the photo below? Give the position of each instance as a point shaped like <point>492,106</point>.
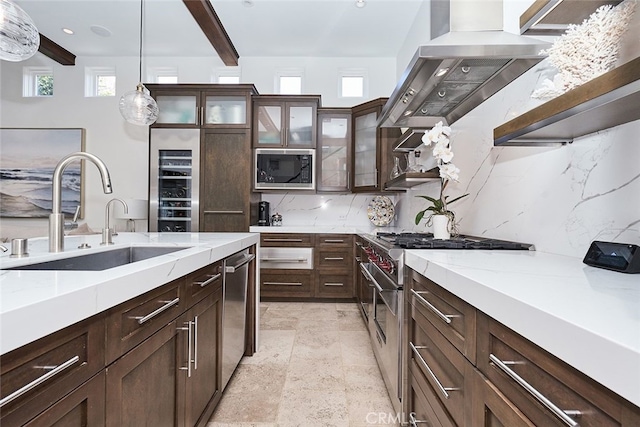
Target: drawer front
<point>334,285</point>
<point>545,389</point>
<point>334,240</point>
<point>450,315</point>
<point>49,369</point>
<point>286,283</point>
<point>134,321</point>
<point>335,258</point>
<point>440,364</point>
<point>203,282</point>
<point>286,239</point>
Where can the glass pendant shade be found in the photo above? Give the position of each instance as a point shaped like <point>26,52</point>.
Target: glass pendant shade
<point>138,108</point>
<point>19,37</point>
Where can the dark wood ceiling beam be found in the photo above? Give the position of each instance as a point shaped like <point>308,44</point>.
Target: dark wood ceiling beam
<point>56,52</point>
<point>208,20</point>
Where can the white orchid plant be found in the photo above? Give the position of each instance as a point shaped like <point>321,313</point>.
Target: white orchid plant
<point>438,136</point>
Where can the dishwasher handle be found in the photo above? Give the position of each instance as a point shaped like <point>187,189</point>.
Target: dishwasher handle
<point>245,260</point>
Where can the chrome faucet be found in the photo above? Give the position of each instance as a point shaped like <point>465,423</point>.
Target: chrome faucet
<point>56,218</point>
<point>107,232</point>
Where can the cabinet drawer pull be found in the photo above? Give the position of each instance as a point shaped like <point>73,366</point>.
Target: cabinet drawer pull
<point>562,415</point>
<point>358,244</point>
<point>413,422</point>
<point>224,212</point>
<point>445,317</point>
<point>334,241</point>
<point>189,342</point>
<point>195,343</point>
<point>423,362</point>
<point>212,278</point>
<point>334,284</point>
<point>273,239</point>
<point>334,258</point>
<point>283,283</point>
<point>284,260</point>
<point>41,379</point>
<point>154,313</point>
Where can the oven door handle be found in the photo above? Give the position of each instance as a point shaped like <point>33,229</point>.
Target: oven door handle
<point>366,274</point>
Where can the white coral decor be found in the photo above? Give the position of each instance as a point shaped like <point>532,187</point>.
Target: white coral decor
<point>587,50</point>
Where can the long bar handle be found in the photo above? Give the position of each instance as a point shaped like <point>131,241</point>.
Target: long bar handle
<point>334,284</point>
<point>195,343</point>
<point>334,258</point>
<point>154,313</point>
<point>189,354</point>
<point>414,422</point>
<point>283,283</point>
<point>445,317</point>
<point>562,415</point>
<point>223,212</point>
<point>246,260</point>
<point>366,273</point>
<point>287,260</point>
<point>273,239</point>
<point>41,379</point>
<point>444,390</point>
<point>212,278</point>
<point>334,241</point>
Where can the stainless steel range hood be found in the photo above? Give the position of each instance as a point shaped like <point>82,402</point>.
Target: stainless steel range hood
<point>468,60</point>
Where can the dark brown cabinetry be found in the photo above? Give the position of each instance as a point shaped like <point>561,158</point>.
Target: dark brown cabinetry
<point>372,150</point>
<point>330,274</point>
<point>334,149</point>
<point>227,202</point>
<point>36,376</point>
<point>285,121</point>
<point>466,369</point>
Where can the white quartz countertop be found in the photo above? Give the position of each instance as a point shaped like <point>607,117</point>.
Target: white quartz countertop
<point>36,303</point>
<point>323,229</point>
<point>586,316</point>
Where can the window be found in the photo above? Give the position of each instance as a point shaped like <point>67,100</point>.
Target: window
<point>352,84</point>
<point>37,81</point>
<point>289,81</point>
<point>226,75</point>
<point>163,75</point>
<point>99,81</point>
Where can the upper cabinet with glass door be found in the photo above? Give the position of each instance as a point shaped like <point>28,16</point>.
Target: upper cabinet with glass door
<point>281,121</point>
<point>334,149</point>
<point>203,106</point>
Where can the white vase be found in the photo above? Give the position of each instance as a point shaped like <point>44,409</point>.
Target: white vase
<point>441,227</point>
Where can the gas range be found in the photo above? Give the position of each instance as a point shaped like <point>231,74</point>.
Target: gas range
<point>386,250</point>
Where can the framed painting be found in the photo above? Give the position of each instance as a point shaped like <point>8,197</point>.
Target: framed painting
<point>28,158</point>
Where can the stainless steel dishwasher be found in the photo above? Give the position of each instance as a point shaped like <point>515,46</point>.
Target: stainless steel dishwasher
<point>234,311</point>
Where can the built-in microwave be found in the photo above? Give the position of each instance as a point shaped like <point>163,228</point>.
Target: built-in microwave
<point>284,169</point>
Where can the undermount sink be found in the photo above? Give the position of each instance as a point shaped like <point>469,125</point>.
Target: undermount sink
<point>103,260</point>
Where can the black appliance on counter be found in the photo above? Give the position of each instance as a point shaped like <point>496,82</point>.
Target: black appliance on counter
<point>382,268</point>
<point>264,213</point>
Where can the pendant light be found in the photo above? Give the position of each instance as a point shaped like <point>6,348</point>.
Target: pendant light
<point>19,37</point>
<point>136,106</point>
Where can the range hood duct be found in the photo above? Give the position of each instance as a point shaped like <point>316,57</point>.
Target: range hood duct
<point>469,59</point>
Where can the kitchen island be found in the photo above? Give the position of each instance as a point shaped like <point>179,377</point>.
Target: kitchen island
<point>141,342</point>
<point>587,317</point>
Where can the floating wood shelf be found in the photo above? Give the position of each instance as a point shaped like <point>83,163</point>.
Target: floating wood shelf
<point>609,100</point>
<point>552,17</point>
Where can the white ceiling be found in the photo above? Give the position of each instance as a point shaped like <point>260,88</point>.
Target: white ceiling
<point>268,28</point>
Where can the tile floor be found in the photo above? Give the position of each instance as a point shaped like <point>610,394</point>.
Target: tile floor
<point>315,367</point>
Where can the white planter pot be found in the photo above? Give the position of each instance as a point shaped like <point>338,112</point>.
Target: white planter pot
<point>441,227</point>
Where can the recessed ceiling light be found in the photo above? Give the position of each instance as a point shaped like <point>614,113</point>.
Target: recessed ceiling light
<point>100,30</point>
<point>360,3</point>
<point>247,3</point>
<point>67,31</point>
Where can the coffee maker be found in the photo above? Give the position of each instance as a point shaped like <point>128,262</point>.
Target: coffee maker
<point>264,213</point>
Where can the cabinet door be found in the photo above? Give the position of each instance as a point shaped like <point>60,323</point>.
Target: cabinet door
<point>203,387</point>
<point>301,125</point>
<point>226,180</point>
<point>225,110</point>
<point>268,124</point>
<point>82,407</point>
<point>334,151</point>
<point>365,153</point>
<point>145,387</point>
<point>178,109</point>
